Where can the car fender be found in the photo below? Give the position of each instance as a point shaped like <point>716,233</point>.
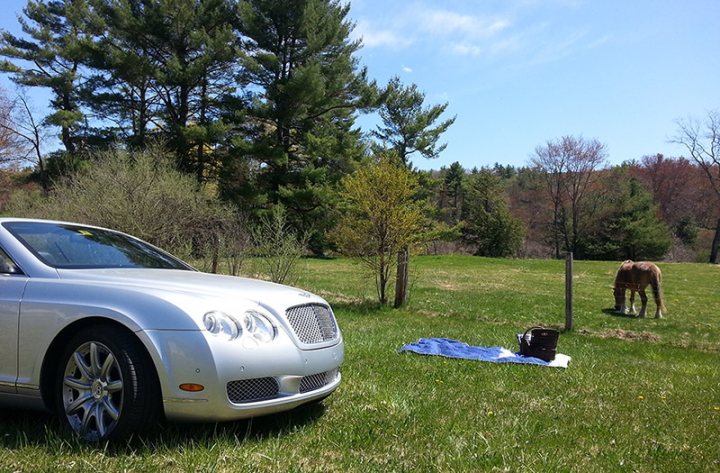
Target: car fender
<point>50,306</point>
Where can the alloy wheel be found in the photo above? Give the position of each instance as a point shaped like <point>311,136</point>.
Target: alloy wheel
<point>92,391</point>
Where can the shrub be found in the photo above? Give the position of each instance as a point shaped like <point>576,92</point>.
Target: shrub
<point>380,217</point>
<point>142,194</point>
<point>278,246</point>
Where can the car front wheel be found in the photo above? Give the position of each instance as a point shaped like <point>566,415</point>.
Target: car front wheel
<point>106,385</point>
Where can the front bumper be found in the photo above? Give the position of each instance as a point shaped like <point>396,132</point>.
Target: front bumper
<point>239,381</point>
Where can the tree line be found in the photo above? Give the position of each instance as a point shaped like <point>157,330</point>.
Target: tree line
<point>652,208</point>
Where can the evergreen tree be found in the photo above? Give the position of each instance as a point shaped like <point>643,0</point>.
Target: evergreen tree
<point>121,88</point>
<point>167,67</point>
<point>408,127</point>
<point>629,226</point>
<point>505,172</point>
<point>488,225</point>
<point>51,55</point>
<point>453,189</point>
<point>304,88</point>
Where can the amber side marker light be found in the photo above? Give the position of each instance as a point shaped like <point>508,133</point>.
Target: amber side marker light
<point>192,387</point>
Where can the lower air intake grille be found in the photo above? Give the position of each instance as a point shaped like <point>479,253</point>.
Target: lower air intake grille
<point>313,323</point>
<point>250,390</point>
<point>317,381</point>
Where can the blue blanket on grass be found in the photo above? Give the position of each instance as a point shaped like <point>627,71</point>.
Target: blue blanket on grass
<point>454,349</point>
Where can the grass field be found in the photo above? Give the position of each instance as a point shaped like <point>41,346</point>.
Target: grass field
<point>639,395</point>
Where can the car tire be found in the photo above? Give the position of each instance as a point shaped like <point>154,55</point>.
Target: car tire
<point>106,386</point>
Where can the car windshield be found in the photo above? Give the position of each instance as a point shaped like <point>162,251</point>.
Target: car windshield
<point>66,246</point>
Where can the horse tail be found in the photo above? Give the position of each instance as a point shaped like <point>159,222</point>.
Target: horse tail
<point>656,283</point>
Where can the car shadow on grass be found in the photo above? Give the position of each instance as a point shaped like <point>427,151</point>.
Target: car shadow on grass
<point>22,428</point>
<point>31,429</point>
<point>255,429</point>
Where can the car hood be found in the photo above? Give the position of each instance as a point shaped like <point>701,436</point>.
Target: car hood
<point>195,283</point>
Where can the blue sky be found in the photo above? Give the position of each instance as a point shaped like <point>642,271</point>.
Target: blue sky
<point>517,73</point>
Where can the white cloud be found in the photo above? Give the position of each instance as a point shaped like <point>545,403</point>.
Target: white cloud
<point>448,23</point>
<point>474,31</point>
<point>458,33</point>
<point>464,34</point>
<point>465,49</point>
<point>601,41</point>
<point>374,38</point>
<point>552,51</point>
<point>505,46</point>
<point>407,69</point>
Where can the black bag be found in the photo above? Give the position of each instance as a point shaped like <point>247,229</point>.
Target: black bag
<point>539,342</point>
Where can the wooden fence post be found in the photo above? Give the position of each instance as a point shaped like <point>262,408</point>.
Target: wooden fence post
<point>569,291</point>
<point>401,279</point>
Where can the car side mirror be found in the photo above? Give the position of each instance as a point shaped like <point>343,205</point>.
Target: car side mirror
<point>7,269</point>
<point>7,266</point>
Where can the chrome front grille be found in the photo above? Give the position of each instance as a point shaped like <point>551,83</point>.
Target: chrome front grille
<point>317,381</point>
<point>312,323</point>
<point>251,390</point>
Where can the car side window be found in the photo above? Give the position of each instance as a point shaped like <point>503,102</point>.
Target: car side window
<point>7,266</point>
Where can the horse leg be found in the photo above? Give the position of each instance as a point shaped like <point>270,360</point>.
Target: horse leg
<point>657,295</point>
<point>632,301</point>
<point>644,299</point>
<point>623,307</point>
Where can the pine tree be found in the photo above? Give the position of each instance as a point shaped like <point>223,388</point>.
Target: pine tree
<point>629,226</point>
<point>166,67</point>
<point>407,126</point>
<point>488,225</point>
<point>453,188</point>
<point>51,55</point>
<point>304,88</point>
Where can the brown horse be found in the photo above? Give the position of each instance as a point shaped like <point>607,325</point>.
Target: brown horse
<point>636,277</point>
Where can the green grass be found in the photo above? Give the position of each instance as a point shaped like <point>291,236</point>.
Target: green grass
<point>639,395</point>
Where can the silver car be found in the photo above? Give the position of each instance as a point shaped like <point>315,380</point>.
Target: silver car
<point>113,333</point>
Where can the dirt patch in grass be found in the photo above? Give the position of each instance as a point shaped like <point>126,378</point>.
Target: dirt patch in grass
<point>449,286</point>
<point>624,335</point>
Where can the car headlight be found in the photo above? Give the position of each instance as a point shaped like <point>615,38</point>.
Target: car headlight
<point>252,326</point>
<point>257,326</point>
<point>220,323</point>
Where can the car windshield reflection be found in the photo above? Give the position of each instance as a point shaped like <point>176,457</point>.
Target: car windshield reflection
<point>66,246</point>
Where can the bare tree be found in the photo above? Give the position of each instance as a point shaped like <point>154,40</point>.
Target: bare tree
<point>11,145</point>
<point>26,132</point>
<point>568,167</point>
<point>680,189</point>
<point>702,140</point>
<point>278,246</point>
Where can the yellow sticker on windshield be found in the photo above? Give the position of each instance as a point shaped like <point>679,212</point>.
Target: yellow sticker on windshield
<point>84,232</point>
